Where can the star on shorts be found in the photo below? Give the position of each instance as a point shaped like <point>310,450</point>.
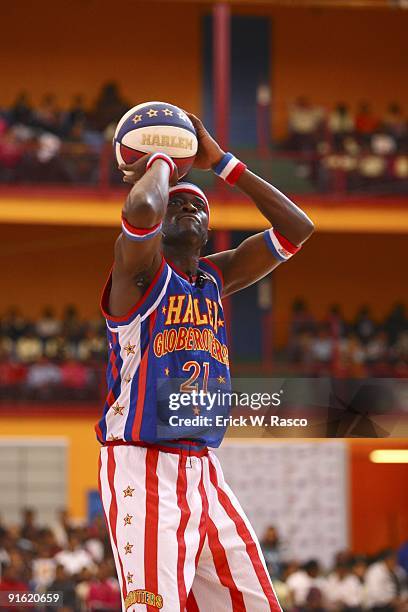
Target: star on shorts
<point>128,519</point>
<point>128,548</point>
<point>118,409</point>
<point>152,113</point>
<point>129,578</point>
<point>128,492</point>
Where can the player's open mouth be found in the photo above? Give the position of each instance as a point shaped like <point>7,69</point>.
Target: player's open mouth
<point>187,216</point>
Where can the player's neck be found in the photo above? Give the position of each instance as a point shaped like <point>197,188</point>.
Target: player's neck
<point>185,260</point>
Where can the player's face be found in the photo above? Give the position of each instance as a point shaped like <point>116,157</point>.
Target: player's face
<point>186,220</point>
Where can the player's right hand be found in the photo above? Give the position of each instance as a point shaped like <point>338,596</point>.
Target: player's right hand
<point>135,171</point>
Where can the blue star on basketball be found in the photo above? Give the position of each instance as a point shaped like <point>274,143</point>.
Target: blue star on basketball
<point>156,126</point>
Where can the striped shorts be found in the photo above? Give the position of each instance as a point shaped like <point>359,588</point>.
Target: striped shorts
<point>180,539</point>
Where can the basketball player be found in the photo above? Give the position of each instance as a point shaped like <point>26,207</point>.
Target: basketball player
<point>180,539</point>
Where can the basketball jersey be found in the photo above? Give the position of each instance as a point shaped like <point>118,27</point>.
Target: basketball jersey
<point>171,343</point>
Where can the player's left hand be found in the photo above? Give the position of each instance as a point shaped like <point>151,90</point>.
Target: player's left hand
<point>209,151</point>
<point>135,171</point>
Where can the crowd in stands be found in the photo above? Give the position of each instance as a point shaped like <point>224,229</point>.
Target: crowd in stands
<point>354,583</point>
<point>359,348</point>
<point>351,148</point>
<point>65,357</point>
<point>51,357</point>
<point>76,560</point>
<point>337,149</point>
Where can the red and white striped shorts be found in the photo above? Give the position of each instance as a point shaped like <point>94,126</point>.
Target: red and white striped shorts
<point>180,539</point>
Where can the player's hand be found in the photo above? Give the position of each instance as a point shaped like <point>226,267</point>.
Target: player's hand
<point>209,151</point>
<point>135,171</point>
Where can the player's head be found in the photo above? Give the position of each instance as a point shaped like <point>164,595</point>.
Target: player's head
<point>187,217</point>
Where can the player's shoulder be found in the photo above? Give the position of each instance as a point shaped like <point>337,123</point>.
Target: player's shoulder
<point>207,265</point>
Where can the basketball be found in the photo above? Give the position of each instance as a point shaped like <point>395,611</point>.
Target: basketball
<point>156,126</point>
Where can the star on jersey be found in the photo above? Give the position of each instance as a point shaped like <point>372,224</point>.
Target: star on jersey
<point>128,519</point>
<point>152,113</point>
<point>129,578</point>
<point>118,409</point>
<point>167,112</point>
<point>220,323</point>
<point>130,349</point>
<point>127,379</point>
<point>137,118</point>
<point>166,371</point>
<point>112,438</point>
<point>128,548</point>
<point>221,380</point>
<point>128,492</point>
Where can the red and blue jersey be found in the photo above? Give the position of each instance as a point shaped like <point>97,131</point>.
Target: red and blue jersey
<point>172,342</point>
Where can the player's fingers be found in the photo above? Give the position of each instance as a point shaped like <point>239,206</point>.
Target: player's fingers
<point>129,179</point>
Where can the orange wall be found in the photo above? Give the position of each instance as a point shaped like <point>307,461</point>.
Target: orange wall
<point>57,265</point>
<point>72,46</point>
<point>153,50</point>
<point>378,498</point>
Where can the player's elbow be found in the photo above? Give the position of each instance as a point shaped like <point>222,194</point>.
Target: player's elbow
<point>306,229</point>
<point>140,211</point>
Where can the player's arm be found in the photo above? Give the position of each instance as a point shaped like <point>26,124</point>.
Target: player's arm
<point>138,248</point>
<point>260,254</point>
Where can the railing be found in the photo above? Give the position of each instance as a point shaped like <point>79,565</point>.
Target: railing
<point>93,168</point>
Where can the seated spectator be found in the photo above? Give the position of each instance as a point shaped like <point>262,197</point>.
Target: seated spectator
<point>43,567</point>
<point>314,601</point>
<point>383,584</point>
<point>74,378</point>
<point>109,106</point>
<point>395,124</point>
<point>11,581</point>
<point>47,115</point>
<point>302,580</point>
<point>42,378</point>
<point>75,557</point>
<point>364,325</point>
<point>104,590</point>
<point>321,347</point>
<point>366,123</point>
<point>340,124</point>
<point>344,589</point>
<point>64,584</point>
<point>21,111</point>
<point>395,322</point>
<point>48,325</point>
<point>305,121</point>
<point>14,324</point>
<point>76,113</point>
<point>29,529</point>
<point>272,551</point>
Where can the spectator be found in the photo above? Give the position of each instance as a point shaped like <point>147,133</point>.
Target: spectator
<point>29,530</point>
<point>75,114</point>
<point>344,590</point>
<point>64,584</point>
<point>104,592</point>
<point>322,346</point>
<point>383,584</point>
<point>11,581</point>
<point>364,325</point>
<point>61,528</point>
<point>304,123</point>
<point>42,378</point>
<point>75,557</point>
<point>43,567</point>
<point>396,322</point>
<point>13,324</point>
<point>109,107</point>
<point>403,557</point>
<point>74,378</point>
<point>340,124</point>
<point>302,580</point>
<point>48,325</point>
<point>366,123</point>
<point>21,111</point>
<point>395,124</point>
<point>272,550</point>
<point>47,115</point>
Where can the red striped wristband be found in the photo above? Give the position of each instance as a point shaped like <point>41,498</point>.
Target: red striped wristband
<point>163,157</point>
<point>230,168</point>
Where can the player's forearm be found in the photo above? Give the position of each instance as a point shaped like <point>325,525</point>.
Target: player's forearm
<point>284,215</point>
<point>147,201</point>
